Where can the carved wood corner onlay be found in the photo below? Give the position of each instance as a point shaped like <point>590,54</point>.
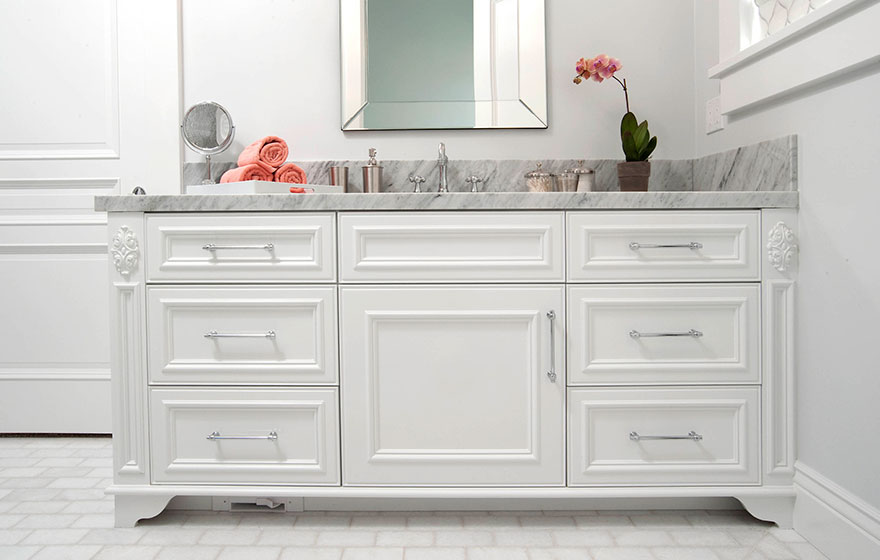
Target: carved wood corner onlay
<point>125,252</point>
<point>782,247</point>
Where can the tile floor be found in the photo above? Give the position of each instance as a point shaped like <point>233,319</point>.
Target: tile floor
<point>52,506</point>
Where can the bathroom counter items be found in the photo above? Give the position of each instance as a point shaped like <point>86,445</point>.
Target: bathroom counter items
<point>450,201</point>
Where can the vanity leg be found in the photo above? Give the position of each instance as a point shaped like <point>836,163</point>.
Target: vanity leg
<point>130,509</point>
<point>776,509</point>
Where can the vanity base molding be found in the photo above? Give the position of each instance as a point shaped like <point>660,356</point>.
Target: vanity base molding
<point>773,504</point>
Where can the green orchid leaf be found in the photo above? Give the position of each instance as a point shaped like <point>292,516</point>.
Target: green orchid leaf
<point>641,135</point>
<point>629,147</point>
<point>648,150</point>
<point>628,124</point>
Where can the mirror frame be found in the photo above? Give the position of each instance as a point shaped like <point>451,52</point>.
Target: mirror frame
<point>353,66</point>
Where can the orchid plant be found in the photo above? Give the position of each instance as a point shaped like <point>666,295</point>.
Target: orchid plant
<point>638,144</point>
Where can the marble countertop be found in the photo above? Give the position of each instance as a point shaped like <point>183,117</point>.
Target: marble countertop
<point>669,200</point>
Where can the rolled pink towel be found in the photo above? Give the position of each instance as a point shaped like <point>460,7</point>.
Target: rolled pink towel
<point>270,150</point>
<point>290,173</point>
<point>254,171</point>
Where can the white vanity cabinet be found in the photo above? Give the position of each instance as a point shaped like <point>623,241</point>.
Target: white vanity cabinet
<point>546,355</point>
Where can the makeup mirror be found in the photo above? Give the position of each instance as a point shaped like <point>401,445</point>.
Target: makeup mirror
<point>207,129</point>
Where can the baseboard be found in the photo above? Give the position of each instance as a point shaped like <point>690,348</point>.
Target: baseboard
<point>841,525</point>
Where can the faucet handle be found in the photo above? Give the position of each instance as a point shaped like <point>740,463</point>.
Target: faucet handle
<point>474,182</point>
<point>417,180</point>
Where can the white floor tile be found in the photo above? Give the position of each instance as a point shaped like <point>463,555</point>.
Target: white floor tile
<point>78,552</point>
<point>53,505</point>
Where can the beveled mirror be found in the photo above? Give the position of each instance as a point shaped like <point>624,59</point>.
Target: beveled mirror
<point>207,129</point>
<point>452,64</point>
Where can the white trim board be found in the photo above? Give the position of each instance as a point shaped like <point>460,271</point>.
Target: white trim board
<point>838,523</point>
<point>835,40</point>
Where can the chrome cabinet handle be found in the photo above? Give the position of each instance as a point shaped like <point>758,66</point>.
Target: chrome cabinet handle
<point>551,375</point>
<point>273,435</point>
<point>691,435</point>
<point>693,245</point>
<point>215,334</point>
<point>693,333</point>
<point>212,247</point>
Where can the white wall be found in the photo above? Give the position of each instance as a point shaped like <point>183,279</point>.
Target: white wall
<point>275,65</point>
<point>838,384</point>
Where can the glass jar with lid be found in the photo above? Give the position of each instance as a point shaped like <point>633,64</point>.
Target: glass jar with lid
<point>539,180</point>
<point>586,177</point>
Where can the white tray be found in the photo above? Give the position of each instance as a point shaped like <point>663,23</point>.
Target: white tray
<point>258,187</point>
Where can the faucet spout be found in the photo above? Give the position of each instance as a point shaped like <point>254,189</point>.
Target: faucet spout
<point>443,161</point>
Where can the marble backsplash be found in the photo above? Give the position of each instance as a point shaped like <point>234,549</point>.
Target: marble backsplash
<point>767,166</point>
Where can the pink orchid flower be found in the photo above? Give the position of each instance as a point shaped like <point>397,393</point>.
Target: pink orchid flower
<point>600,68</point>
<point>610,68</point>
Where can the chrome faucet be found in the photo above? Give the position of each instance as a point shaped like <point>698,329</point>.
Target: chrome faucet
<point>442,161</point>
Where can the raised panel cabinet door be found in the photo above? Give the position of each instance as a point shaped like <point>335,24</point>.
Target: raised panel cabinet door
<point>456,386</point>
<point>243,248</point>
<point>241,435</point>
<point>664,334</point>
<point>204,335</point>
<point>687,436</point>
<point>675,246</point>
<point>407,247</point>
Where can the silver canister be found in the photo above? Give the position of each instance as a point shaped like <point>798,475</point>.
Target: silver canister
<point>339,177</point>
<point>372,174</point>
<point>539,180</point>
<point>586,177</point>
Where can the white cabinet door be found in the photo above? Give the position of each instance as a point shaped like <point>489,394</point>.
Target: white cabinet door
<point>663,335</point>
<point>209,335</point>
<point>243,435</point>
<point>450,386</point>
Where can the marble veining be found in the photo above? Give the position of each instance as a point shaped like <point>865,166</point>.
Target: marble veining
<point>766,166</point>
<point>448,201</point>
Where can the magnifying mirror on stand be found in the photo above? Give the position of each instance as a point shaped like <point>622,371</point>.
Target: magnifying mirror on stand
<point>207,129</point>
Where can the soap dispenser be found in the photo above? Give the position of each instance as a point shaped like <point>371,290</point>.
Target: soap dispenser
<point>372,174</point>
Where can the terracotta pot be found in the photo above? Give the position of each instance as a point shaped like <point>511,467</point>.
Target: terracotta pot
<point>634,175</point>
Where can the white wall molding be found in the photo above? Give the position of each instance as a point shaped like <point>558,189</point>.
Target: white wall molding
<point>837,522</point>
<point>828,43</point>
<point>74,136</point>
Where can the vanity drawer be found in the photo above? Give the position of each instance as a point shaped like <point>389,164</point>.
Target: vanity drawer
<point>664,334</point>
<point>454,246</point>
<point>244,436</point>
<point>688,436</point>
<point>241,335</point>
<point>240,248</point>
<point>668,246</point>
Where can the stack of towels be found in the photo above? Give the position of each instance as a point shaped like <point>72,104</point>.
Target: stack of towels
<point>264,160</point>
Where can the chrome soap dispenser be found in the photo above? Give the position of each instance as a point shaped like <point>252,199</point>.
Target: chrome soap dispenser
<point>372,174</point>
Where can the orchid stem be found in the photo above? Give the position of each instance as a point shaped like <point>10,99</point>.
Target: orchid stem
<point>625,91</point>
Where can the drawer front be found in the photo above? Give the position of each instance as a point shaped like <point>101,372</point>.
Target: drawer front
<point>673,334</point>
<point>244,436</point>
<point>612,436</point>
<point>670,246</point>
<point>241,335</point>
<point>458,246</point>
<point>240,248</point>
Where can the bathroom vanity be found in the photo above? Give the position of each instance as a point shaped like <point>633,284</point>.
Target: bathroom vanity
<point>500,345</point>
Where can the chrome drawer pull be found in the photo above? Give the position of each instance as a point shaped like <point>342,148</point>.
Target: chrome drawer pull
<point>693,333</point>
<point>551,375</point>
<point>692,435</point>
<point>211,247</point>
<point>273,435</point>
<point>693,245</point>
<point>215,334</point>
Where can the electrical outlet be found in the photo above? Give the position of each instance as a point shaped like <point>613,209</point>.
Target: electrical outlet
<point>715,121</point>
